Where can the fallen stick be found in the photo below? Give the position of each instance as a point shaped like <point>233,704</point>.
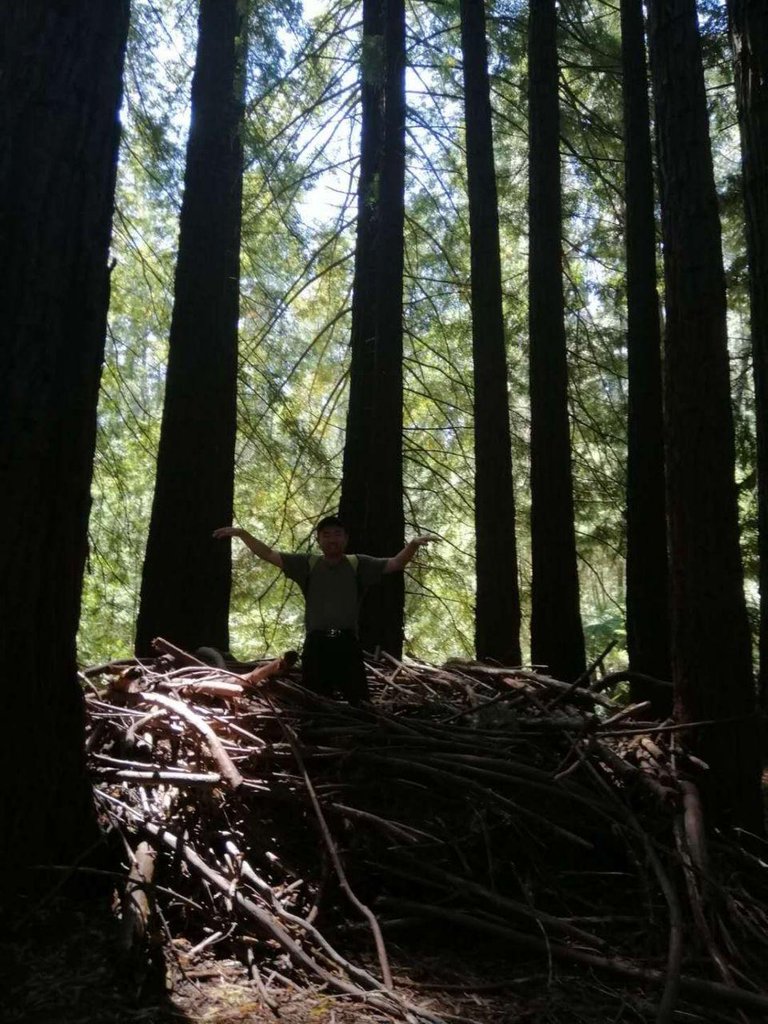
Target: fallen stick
<point>155,777</point>
<point>677,726</point>
<point>698,991</point>
<point>228,770</point>
<point>566,689</point>
<point>688,836</point>
<point>455,883</point>
<point>405,832</point>
<point>483,793</point>
<point>627,712</point>
<point>303,923</point>
<point>675,942</point>
<point>626,676</point>
<point>564,791</point>
<point>269,1000</point>
<point>163,646</point>
<point>338,866</point>
<point>546,682</point>
<point>586,675</point>
<point>208,688</point>
<point>107,761</point>
<point>625,770</point>
<point>137,908</point>
<point>115,666</point>
<point>277,667</point>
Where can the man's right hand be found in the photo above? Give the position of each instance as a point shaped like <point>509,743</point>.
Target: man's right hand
<point>228,531</point>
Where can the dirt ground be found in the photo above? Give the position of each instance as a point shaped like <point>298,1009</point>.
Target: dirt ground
<point>65,967</point>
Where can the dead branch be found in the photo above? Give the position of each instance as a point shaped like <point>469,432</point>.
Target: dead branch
<point>137,907</point>
<point>228,770</point>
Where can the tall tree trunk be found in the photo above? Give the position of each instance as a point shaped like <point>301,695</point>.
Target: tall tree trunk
<point>711,660</point>
<point>186,580</point>
<point>372,485</point>
<point>497,615</point>
<point>647,571</point>
<point>749,34</point>
<point>557,639</point>
<point>60,92</point>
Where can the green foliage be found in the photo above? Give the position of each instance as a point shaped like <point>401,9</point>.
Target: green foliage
<point>301,141</point>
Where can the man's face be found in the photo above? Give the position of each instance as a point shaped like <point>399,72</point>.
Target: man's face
<point>332,540</point>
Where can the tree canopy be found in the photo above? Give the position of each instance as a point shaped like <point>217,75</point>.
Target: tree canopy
<point>301,139</point>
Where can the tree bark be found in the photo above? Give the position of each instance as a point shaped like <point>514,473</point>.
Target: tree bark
<point>711,659</point>
<point>372,486</point>
<point>647,570</point>
<point>60,93</point>
<point>556,635</point>
<point>187,575</point>
<point>749,35</point>
<point>497,609</point>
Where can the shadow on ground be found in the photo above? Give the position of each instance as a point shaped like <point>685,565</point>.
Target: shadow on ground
<point>63,963</point>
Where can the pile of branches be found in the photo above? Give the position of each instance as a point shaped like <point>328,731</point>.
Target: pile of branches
<point>468,799</point>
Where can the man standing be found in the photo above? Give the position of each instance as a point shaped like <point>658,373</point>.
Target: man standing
<point>333,586</point>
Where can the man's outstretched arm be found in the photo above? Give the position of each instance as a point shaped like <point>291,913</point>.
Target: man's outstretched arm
<point>398,562</point>
<point>261,550</point>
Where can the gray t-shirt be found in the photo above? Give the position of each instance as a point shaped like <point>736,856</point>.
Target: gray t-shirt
<point>332,593</point>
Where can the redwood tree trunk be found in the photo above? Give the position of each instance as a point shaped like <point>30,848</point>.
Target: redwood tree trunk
<point>186,580</point>
<point>647,571</point>
<point>372,485</point>
<point>60,92</point>
<point>711,659</point>
<point>749,33</point>
<point>557,639</point>
<point>497,608</point>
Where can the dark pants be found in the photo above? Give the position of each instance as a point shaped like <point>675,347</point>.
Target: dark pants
<point>334,661</point>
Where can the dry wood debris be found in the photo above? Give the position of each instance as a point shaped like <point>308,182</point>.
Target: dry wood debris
<point>494,802</point>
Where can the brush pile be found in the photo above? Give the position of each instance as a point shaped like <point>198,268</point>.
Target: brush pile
<point>503,806</point>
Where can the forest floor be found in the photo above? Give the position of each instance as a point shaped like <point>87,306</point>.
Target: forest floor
<point>65,968</point>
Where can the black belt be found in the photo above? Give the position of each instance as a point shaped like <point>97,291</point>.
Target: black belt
<point>332,634</point>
